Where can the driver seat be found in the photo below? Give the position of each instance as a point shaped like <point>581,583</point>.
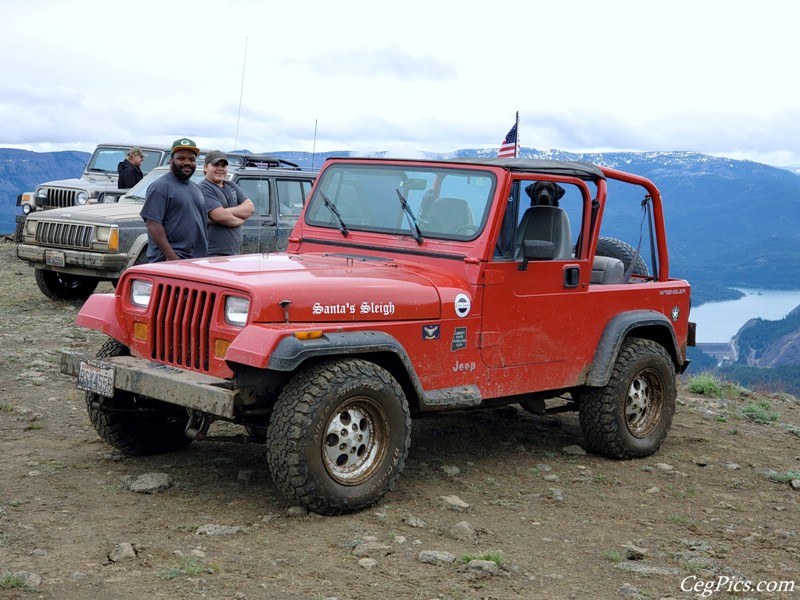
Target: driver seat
<point>546,223</point>
<point>448,215</point>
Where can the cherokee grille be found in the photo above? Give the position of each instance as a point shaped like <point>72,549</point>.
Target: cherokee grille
<point>59,198</point>
<point>181,325</point>
<point>65,234</point>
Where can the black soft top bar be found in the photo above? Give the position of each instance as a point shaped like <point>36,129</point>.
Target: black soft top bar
<point>570,168</point>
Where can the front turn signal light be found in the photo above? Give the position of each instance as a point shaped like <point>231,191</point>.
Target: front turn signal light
<point>308,335</point>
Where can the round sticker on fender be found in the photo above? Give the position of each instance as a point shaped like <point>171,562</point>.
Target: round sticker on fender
<point>462,305</point>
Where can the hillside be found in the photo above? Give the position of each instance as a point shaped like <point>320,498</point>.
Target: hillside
<point>730,223</point>
<point>21,171</point>
<point>767,356</point>
<point>763,343</point>
<point>78,520</point>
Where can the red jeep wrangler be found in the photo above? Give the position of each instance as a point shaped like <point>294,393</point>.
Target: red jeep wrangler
<point>408,286</point>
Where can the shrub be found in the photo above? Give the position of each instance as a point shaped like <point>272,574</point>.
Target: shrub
<point>760,412</point>
<point>705,385</point>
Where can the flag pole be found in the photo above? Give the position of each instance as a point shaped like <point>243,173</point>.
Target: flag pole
<point>516,144</point>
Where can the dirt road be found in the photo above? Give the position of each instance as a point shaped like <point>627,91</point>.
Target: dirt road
<point>715,507</point>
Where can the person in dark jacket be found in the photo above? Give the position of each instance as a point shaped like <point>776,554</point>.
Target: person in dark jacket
<point>130,169</point>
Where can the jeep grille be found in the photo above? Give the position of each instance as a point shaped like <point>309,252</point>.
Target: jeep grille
<point>181,325</point>
<point>64,234</point>
<point>59,198</point>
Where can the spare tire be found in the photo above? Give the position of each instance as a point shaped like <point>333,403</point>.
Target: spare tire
<point>607,246</point>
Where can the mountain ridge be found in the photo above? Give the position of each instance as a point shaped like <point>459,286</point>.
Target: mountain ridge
<point>731,223</point>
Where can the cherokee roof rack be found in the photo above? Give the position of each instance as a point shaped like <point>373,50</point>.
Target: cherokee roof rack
<point>262,161</point>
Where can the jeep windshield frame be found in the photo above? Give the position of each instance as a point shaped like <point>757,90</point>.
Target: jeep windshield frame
<point>446,201</point>
<point>105,159</point>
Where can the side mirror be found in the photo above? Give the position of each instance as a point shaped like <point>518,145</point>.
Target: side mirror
<point>536,250</point>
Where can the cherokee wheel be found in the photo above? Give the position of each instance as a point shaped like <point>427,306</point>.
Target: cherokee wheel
<point>339,436</point>
<point>63,286</point>
<point>631,416</point>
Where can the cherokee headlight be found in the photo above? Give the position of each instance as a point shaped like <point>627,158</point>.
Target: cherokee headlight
<point>103,233</point>
<point>30,226</point>
<point>81,198</point>
<point>107,238</point>
<point>141,291</point>
<point>236,310</point>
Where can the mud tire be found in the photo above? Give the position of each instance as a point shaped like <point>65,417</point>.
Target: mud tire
<point>144,426</point>
<point>63,286</point>
<point>608,246</point>
<point>630,417</point>
<point>339,436</point>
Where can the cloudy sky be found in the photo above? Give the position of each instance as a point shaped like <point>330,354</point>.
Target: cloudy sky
<point>709,76</point>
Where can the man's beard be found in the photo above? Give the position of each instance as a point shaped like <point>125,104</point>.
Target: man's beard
<point>179,173</point>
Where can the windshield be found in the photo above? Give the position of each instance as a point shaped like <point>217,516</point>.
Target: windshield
<point>138,192</point>
<point>106,158</point>
<point>420,201</point>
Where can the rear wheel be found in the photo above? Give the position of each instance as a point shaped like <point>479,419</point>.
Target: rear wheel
<point>136,425</point>
<point>63,286</point>
<point>339,436</point>
<point>631,416</point>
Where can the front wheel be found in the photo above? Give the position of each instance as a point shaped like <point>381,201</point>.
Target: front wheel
<point>339,436</point>
<point>63,286</point>
<point>136,425</point>
<point>630,417</point>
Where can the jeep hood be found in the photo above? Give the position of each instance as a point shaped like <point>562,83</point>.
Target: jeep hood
<point>312,288</point>
<point>95,214</point>
<point>87,182</point>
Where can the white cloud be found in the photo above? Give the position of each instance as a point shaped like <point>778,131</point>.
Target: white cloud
<point>708,76</point>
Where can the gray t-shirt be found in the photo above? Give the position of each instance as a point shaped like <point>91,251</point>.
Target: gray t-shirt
<point>222,240</point>
<point>179,206</point>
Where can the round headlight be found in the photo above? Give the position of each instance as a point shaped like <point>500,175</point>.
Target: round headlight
<point>41,194</point>
<point>81,198</point>
<point>26,208</point>
<point>141,292</point>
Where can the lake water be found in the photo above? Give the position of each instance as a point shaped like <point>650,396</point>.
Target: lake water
<point>720,321</point>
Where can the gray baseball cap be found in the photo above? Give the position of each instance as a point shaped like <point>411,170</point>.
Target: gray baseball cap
<point>215,156</point>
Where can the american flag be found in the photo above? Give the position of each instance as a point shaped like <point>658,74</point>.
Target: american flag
<point>508,149</point>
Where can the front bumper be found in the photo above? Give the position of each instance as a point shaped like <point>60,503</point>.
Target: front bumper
<point>76,262</point>
<point>189,389</point>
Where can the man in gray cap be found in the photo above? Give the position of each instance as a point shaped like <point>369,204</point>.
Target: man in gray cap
<point>226,204</point>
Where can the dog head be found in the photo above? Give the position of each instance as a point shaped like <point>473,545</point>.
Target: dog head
<point>544,193</point>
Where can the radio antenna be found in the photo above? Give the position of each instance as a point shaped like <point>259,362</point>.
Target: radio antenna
<point>241,93</point>
<point>314,145</point>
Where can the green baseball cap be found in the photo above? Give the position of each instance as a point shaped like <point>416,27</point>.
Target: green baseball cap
<point>185,144</point>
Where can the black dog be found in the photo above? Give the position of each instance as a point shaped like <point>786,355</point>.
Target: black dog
<point>544,193</point>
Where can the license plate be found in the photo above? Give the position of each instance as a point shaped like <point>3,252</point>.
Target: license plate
<point>54,258</point>
<point>96,377</point>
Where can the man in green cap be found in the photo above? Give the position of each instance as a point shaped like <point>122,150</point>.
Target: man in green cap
<point>174,209</point>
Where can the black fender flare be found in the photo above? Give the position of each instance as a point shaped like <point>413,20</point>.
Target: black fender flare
<point>291,352</point>
<point>651,324</point>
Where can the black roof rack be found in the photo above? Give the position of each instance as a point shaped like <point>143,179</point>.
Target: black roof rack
<point>262,161</point>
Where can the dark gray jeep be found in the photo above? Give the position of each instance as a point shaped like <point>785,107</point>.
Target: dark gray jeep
<point>73,249</point>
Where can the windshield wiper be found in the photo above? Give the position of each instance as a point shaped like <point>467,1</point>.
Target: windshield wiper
<point>335,211</point>
<point>415,230</point>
